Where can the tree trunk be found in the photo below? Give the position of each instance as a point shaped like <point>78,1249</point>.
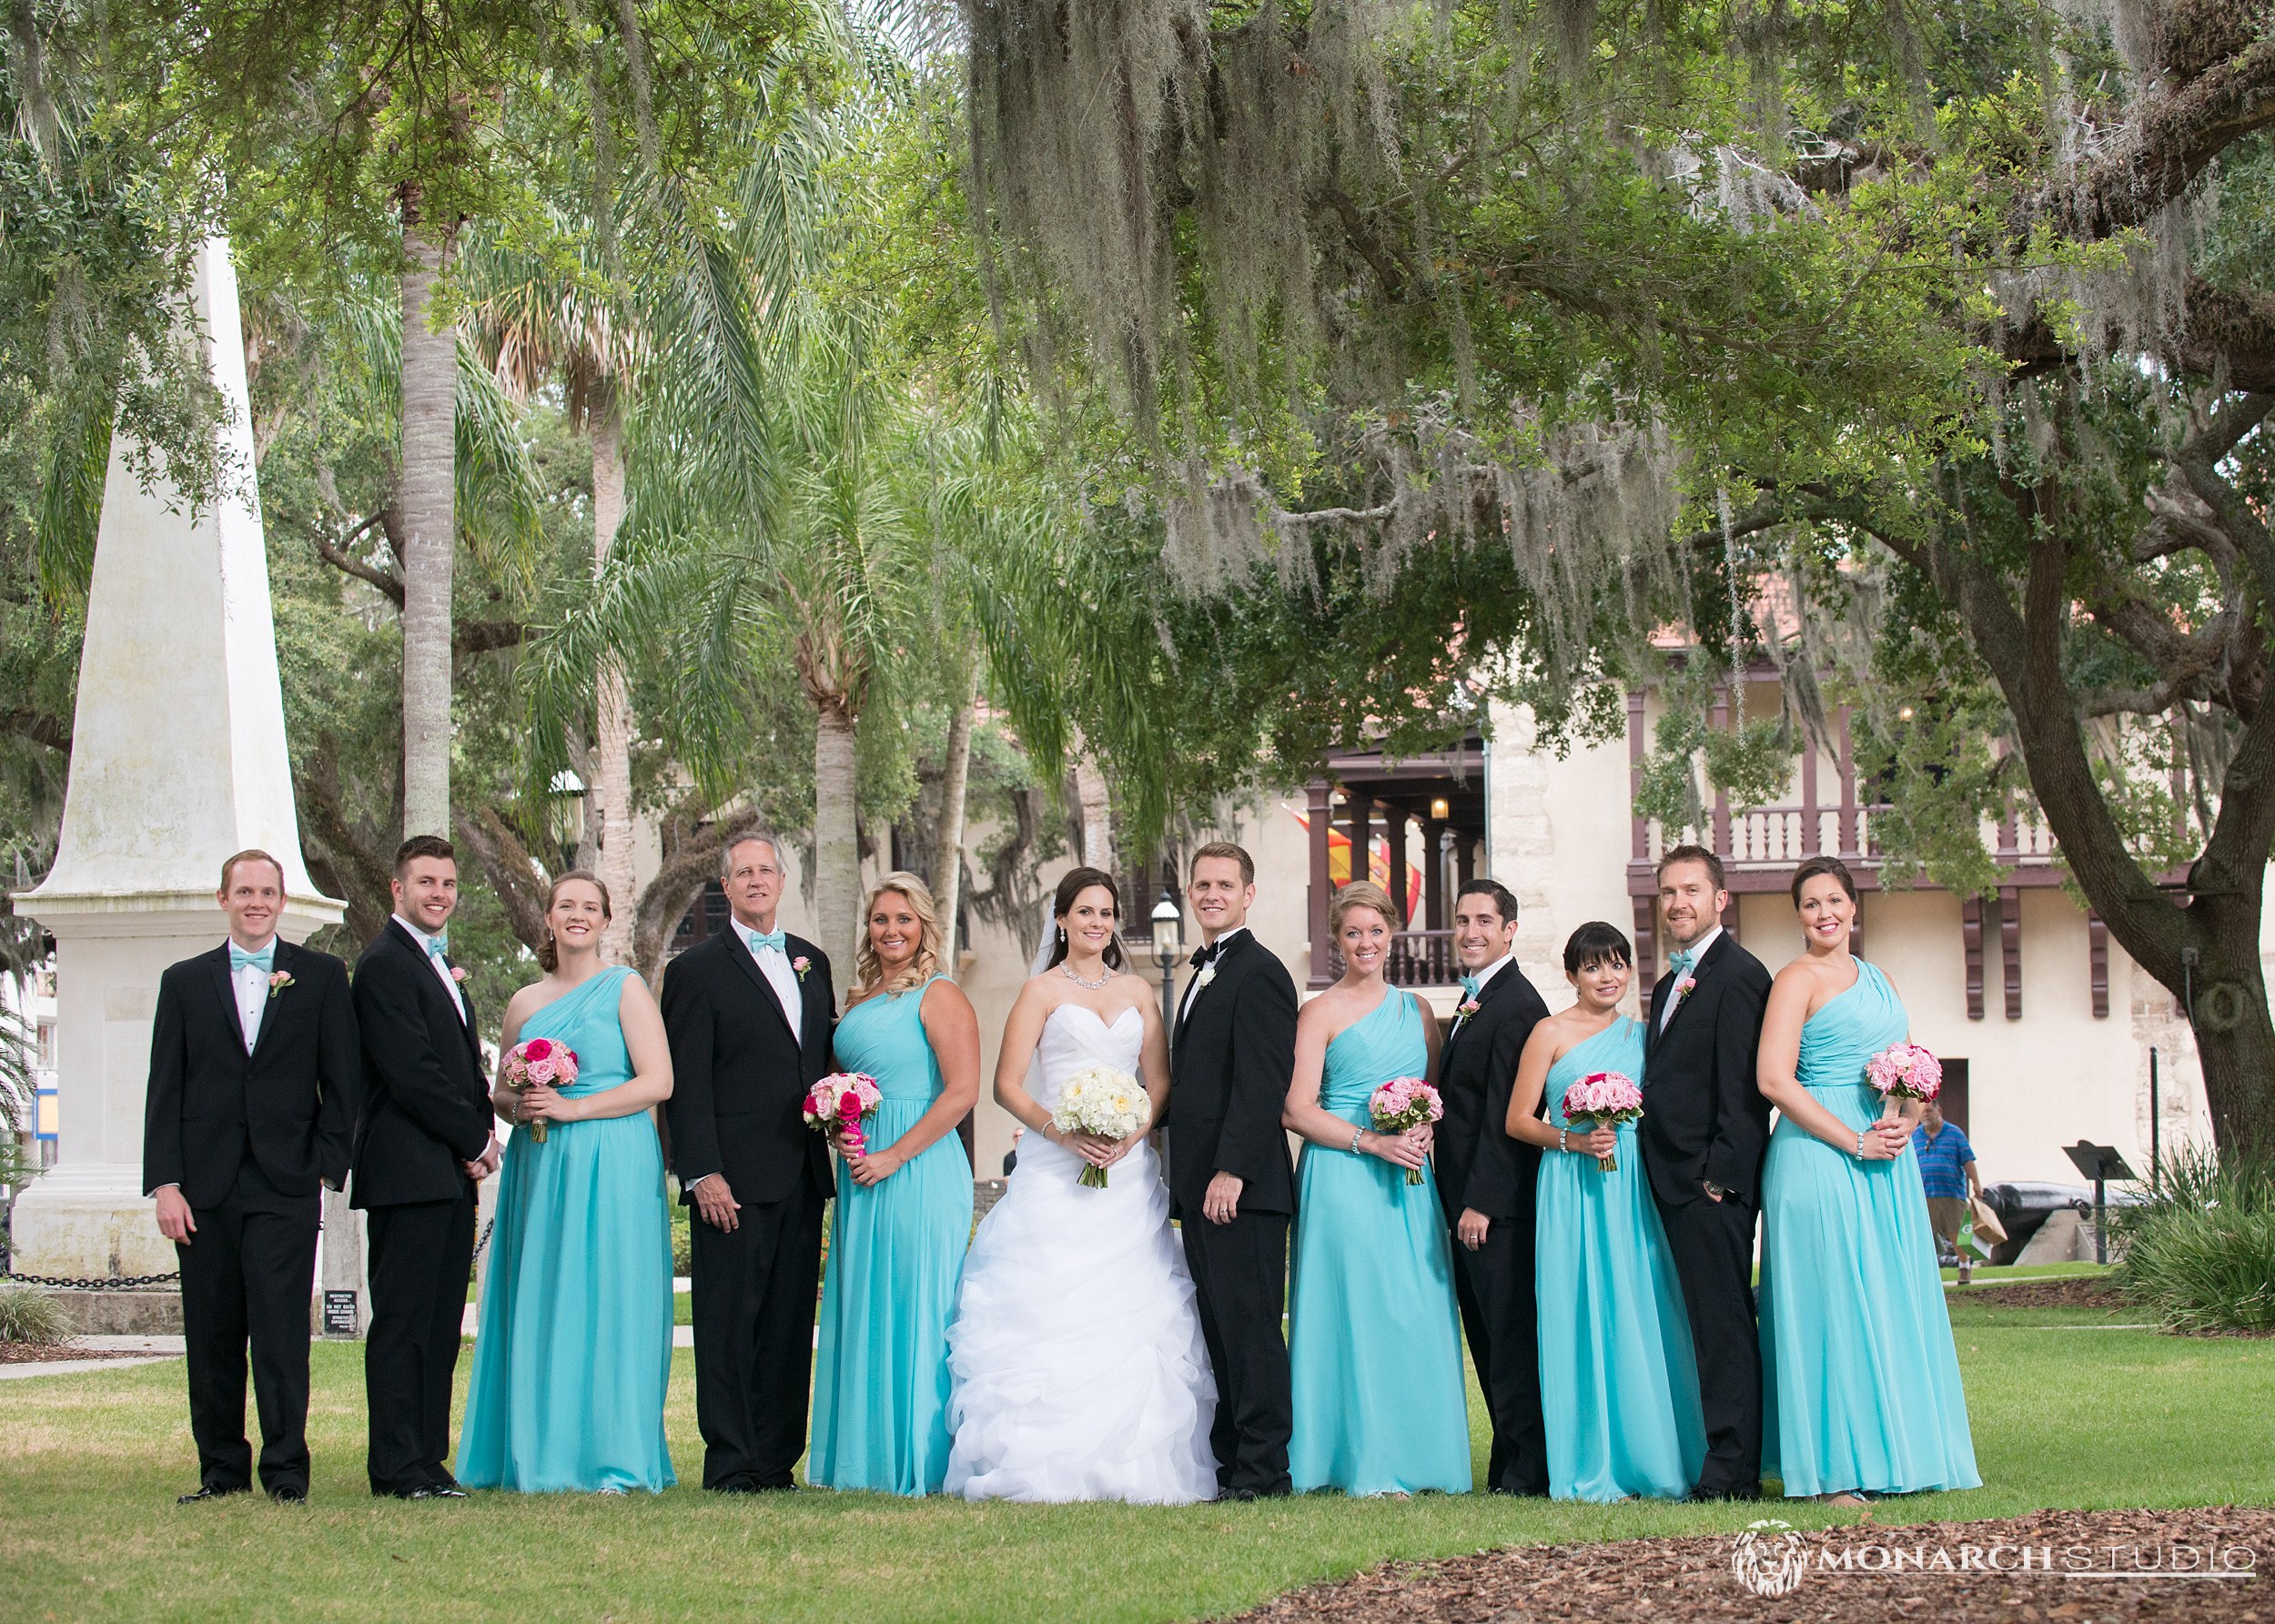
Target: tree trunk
<point>2235,1041</point>
<point>612,702</point>
<point>429,389</point>
<point>1097,809</point>
<point>836,852</point>
<point>947,880</point>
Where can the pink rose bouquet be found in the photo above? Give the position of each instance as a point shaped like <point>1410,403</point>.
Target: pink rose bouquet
<point>1401,1103</point>
<point>539,1062</point>
<point>1602,1099</point>
<point>1905,1071</point>
<point>838,1105</point>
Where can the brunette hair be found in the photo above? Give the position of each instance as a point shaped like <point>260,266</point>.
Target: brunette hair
<point>868,969</point>
<point>250,854</point>
<point>549,956</point>
<point>1362,893</point>
<point>1077,880</point>
<point>1505,899</point>
<point>1597,943</point>
<point>1230,853</point>
<point>422,845</point>
<point>1826,864</point>
<point>1693,854</point>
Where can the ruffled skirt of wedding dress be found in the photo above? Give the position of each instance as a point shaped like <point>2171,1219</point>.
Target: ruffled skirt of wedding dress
<point>1077,1357</point>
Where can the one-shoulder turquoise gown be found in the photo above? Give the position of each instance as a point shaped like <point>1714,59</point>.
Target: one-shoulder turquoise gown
<point>1860,1384</point>
<point>1374,1343</point>
<point>574,1349</point>
<point>895,1253</point>
<point>1619,1384</point>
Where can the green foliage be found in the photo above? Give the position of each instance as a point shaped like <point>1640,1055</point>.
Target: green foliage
<point>2201,1249</point>
<point>28,1314</point>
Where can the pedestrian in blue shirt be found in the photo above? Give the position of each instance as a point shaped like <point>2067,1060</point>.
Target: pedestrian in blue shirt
<point>1946,1169</point>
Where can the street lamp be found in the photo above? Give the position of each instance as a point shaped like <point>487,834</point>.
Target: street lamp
<point>1168,946</point>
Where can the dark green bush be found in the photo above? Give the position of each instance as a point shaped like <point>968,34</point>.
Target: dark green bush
<point>2199,1251</point>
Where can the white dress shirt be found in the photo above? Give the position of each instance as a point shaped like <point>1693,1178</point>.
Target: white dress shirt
<point>774,965</point>
<point>1697,950</point>
<point>251,984</point>
<point>1193,987</point>
<point>434,959</point>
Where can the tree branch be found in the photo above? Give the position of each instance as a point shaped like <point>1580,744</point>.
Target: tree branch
<point>347,564</point>
<point>517,878</point>
<point>37,726</point>
<point>692,863</point>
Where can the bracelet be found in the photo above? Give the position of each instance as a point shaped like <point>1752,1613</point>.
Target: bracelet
<point>1860,1144</point>
<point>1356,1135</point>
<point>1563,1139</point>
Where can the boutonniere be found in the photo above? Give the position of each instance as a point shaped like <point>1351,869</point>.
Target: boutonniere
<point>461,974</point>
<point>1208,973</point>
<point>278,981</point>
<point>1466,1008</point>
<point>801,964</point>
<point>1681,990</point>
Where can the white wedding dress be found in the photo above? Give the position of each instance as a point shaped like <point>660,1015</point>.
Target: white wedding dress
<point>1079,1373</point>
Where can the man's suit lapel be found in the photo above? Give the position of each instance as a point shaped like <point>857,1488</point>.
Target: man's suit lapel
<point>461,1007</point>
<point>747,962</point>
<point>268,1010</point>
<point>1503,980</point>
<point>218,963</point>
<point>1232,950</point>
<point>1698,980</point>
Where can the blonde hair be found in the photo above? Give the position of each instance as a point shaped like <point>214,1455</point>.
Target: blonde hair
<point>868,971</point>
<point>1362,893</point>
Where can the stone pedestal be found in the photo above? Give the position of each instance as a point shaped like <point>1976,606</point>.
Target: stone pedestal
<point>177,760</point>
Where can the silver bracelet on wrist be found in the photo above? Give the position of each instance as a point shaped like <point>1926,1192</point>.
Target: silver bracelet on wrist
<point>1356,1135</point>
<point>1563,1139</point>
<point>1860,1144</point>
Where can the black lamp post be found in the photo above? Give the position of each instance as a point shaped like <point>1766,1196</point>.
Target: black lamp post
<point>1168,946</point>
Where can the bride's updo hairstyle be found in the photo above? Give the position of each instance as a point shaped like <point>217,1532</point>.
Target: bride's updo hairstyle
<point>868,969</point>
<point>1077,880</point>
<point>549,956</point>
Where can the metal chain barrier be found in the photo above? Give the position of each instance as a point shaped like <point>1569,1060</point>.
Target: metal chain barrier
<point>131,1283</point>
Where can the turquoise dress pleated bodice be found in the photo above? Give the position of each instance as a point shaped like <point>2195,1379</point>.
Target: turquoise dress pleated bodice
<point>1619,1383</point>
<point>1374,1338</point>
<point>896,1255</point>
<point>574,1349</point>
<point>1860,1382</point>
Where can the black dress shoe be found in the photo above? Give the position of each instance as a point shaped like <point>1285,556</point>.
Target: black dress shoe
<point>1705,1494</point>
<point>208,1491</point>
<point>289,1494</point>
<point>1242,1495</point>
<point>432,1491</point>
<point>780,1489</point>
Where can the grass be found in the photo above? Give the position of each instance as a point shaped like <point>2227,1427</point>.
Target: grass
<point>2065,1413</point>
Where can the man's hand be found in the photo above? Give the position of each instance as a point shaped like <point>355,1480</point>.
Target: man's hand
<point>173,1220</point>
<point>1222,1201</point>
<point>1472,1227</point>
<point>486,1164</point>
<point>716,1205</point>
<point>1714,1191</point>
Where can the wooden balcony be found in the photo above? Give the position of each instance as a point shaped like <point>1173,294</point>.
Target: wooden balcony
<point>1417,959</point>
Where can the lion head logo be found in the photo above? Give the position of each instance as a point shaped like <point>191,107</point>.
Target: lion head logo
<point>1770,1558</point>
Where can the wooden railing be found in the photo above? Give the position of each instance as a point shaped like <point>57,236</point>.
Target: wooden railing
<point>1417,959</point>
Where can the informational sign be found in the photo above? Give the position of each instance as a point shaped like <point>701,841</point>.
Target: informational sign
<point>340,1314</point>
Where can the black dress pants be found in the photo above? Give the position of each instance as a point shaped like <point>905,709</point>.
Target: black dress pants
<point>421,1256</point>
<point>752,1294</point>
<point>247,1273</point>
<point>1712,1243</point>
<point>1239,1277</point>
<point>1501,1316</point>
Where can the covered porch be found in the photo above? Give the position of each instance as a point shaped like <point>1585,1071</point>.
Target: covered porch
<point>1415,827</point>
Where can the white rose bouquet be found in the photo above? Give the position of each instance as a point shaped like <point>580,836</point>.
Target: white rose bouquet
<point>1102,1101</point>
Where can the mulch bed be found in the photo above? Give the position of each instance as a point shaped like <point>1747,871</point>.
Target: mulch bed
<point>2067,1291</point>
<point>1693,1576</point>
<point>32,1353</point>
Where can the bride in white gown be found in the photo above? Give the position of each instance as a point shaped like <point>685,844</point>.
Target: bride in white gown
<point>1078,1368</point>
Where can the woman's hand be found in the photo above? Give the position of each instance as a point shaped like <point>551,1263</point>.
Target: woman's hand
<point>1425,1135</point>
<point>1122,1147</point>
<point>539,1104</point>
<point>1893,1133</point>
<point>876,1166</point>
<point>1603,1140</point>
<point>1400,1150</point>
<point>1094,1148</point>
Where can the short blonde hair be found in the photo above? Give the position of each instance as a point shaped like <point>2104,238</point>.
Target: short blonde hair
<point>1362,893</point>
<point>868,970</point>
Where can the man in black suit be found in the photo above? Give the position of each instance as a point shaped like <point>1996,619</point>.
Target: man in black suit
<point>749,1014</point>
<point>423,1145</point>
<point>1231,1186</point>
<point>1705,1129</point>
<point>1485,1182</point>
<point>253,1079</point>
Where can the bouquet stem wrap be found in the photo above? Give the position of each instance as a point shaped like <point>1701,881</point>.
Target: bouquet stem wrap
<point>1602,1099</point>
<point>1100,1101</point>
<point>1401,1103</point>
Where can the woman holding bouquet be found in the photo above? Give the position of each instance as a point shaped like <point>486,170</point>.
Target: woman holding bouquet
<point>1618,1381</point>
<point>903,1210</point>
<point>1860,1382</point>
<point>1374,1345</point>
<point>575,1344</point>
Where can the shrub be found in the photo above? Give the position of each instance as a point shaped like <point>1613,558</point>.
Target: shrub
<point>28,1314</point>
<point>683,1240</point>
<point>2199,1251</point>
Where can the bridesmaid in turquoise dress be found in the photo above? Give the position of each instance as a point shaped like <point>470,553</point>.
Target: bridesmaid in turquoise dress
<point>574,1348</point>
<point>1374,1338</point>
<point>1619,1384</point>
<point>903,1212</point>
<point>1860,1381</point>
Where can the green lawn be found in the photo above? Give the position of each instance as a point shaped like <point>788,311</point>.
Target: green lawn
<point>2065,1413</point>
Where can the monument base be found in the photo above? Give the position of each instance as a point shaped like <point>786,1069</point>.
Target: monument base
<point>88,1220</point>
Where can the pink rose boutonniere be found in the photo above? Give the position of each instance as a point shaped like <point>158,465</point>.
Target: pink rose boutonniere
<point>1681,990</point>
<point>1465,1009</point>
<point>801,964</point>
<point>461,974</point>
<point>278,981</point>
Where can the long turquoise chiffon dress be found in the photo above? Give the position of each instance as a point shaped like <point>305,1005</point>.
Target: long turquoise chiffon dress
<point>1374,1338</point>
<point>1860,1383</point>
<point>1619,1383</point>
<point>574,1349</point>
<point>896,1255</point>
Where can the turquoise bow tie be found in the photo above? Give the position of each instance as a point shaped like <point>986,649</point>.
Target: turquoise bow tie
<point>1680,964</point>
<point>1468,989</point>
<point>777,940</point>
<point>438,947</point>
<point>265,960</point>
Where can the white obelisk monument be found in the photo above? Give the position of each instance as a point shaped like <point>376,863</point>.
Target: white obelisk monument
<point>177,760</point>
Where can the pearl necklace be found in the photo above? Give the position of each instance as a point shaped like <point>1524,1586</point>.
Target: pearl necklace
<point>1068,971</point>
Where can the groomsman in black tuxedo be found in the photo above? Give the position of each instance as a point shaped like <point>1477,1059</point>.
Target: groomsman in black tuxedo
<point>749,1014</point>
<point>1485,1182</point>
<point>423,1145</point>
<point>1705,1129</point>
<point>1231,1185</point>
<point>253,1081</point>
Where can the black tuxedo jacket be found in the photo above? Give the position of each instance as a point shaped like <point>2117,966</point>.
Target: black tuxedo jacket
<point>1479,1165</point>
<point>1703,1116</point>
<point>291,1102</point>
<point>738,1077</point>
<point>426,1103</point>
<point>1229,1066</point>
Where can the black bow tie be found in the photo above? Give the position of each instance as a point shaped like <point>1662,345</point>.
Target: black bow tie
<point>1205,955</point>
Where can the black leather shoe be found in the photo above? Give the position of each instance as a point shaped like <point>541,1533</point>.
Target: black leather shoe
<point>1701,1494</point>
<point>206,1491</point>
<point>289,1494</point>
<point>781,1488</point>
<point>433,1491</point>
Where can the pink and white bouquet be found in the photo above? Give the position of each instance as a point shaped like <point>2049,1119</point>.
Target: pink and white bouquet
<point>1905,1071</point>
<point>539,1062</point>
<point>1602,1099</point>
<point>838,1105</point>
<point>1099,1100</point>
<point>1401,1103</point>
